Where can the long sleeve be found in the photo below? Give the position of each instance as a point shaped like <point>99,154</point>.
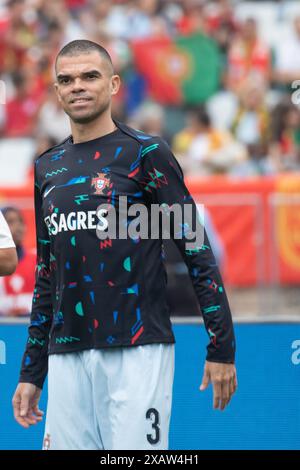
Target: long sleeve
<point>162,181</point>
<point>35,360</point>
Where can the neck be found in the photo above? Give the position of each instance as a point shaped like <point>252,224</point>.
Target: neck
<point>92,130</point>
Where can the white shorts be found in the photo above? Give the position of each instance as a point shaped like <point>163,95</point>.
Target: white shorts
<point>110,398</point>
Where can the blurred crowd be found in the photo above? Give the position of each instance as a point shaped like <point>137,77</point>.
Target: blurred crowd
<point>249,126</point>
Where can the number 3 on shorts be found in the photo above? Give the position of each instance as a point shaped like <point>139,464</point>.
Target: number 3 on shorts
<point>153,415</point>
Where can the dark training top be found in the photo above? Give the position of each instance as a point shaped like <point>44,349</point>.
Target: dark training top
<point>95,293</point>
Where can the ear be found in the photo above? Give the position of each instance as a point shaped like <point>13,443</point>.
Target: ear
<point>56,88</point>
<point>115,84</point>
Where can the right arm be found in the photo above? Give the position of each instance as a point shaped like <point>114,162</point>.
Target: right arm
<point>8,254</point>
<point>35,359</point>
<point>8,261</point>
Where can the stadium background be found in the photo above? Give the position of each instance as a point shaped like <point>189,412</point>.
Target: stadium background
<point>218,80</point>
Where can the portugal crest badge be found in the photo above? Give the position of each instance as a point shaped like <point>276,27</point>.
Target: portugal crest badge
<point>100,183</point>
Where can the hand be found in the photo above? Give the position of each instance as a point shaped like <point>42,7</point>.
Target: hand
<point>224,381</point>
<point>25,405</point>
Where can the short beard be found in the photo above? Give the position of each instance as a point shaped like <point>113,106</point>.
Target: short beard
<point>91,117</point>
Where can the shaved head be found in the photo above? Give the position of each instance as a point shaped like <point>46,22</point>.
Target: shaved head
<point>84,46</point>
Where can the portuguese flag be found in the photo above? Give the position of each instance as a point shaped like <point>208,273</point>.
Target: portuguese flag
<point>185,70</point>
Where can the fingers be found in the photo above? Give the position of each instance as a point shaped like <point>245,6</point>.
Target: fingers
<point>224,388</point>
<point>24,406</point>
<point>27,420</point>
<point>26,414</point>
<point>221,391</point>
<point>205,380</point>
<point>232,386</point>
<point>221,394</point>
<point>16,409</point>
<point>225,397</point>
<point>224,381</point>
<point>235,382</point>
<point>38,413</point>
<point>31,418</point>
<point>217,393</point>
<point>19,416</point>
<point>33,414</point>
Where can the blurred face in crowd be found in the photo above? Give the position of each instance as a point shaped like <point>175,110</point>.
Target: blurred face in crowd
<point>148,6</point>
<point>297,25</point>
<point>293,118</point>
<point>16,224</point>
<point>251,94</point>
<point>249,30</point>
<point>16,11</point>
<point>85,84</point>
<point>101,9</point>
<point>253,99</point>
<point>56,9</point>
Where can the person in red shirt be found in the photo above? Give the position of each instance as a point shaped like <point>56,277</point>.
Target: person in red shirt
<point>248,57</point>
<point>17,35</point>
<point>16,289</point>
<point>21,111</point>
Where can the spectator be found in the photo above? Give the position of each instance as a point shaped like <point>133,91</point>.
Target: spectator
<point>192,19</point>
<point>248,56</point>
<point>150,118</point>
<point>21,111</point>
<point>284,150</point>
<point>251,124</point>
<point>221,24</point>
<point>52,121</point>
<point>287,57</point>
<point>32,31</point>
<point>212,151</point>
<point>18,35</point>
<point>56,12</point>
<point>183,139</point>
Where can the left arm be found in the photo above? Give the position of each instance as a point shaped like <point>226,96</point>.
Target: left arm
<point>160,166</point>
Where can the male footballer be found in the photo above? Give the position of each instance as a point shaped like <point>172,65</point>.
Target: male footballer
<point>100,324</point>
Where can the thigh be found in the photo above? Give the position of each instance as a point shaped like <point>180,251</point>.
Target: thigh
<point>133,402</point>
<point>70,420</point>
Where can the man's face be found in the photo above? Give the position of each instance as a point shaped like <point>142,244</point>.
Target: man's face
<point>85,84</point>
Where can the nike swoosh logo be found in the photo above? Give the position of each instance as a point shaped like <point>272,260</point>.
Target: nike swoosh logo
<point>48,191</point>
